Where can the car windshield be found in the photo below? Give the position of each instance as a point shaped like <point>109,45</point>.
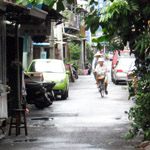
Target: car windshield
<point>47,66</point>
<point>125,54</point>
<point>125,62</point>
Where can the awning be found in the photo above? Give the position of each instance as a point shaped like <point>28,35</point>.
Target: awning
<point>41,44</point>
<point>52,13</point>
<point>22,14</point>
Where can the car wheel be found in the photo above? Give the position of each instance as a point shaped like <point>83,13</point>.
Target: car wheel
<point>64,96</point>
<point>116,82</point>
<point>67,93</point>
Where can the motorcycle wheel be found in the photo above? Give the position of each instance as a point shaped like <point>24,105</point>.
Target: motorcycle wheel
<point>46,101</point>
<point>76,76</point>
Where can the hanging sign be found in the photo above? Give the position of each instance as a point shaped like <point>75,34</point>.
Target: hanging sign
<point>35,30</point>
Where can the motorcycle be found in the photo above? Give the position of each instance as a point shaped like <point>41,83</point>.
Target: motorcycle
<point>88,67</point>
<point>40,93</point>
<point>75,71</point>
<point>71,75</point>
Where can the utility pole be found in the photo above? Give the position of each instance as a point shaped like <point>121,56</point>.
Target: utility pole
<point>52,44</point>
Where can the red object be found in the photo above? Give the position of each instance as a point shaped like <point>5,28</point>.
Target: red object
<point>114,61</point>
<point>119,70</point>
<point>67,67</point>
<point>27,111</point>
<point>128,75</point>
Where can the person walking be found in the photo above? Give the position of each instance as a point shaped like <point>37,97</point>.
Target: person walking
<point>95,62</point>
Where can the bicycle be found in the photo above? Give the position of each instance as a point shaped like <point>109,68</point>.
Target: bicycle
<point>102,85</point>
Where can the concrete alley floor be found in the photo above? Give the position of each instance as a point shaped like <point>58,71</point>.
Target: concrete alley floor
<point>84,121</point>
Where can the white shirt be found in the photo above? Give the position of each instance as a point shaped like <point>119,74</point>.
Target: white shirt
<point>101,70</point>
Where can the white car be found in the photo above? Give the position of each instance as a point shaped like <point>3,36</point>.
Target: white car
<point>121,69</point>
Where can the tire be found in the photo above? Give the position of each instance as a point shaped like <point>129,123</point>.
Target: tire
<point>116,82</point>
<point>76,76</point>
<point>64,96</point>
<point>102,93</point>
<point>43,102</point>
<point>102,89</point>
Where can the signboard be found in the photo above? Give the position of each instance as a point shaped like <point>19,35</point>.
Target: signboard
<point>36,30</point>
<point>3,102</point>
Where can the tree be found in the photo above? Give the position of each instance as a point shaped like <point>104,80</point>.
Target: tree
<point>130,21</point>
<point>59,3</point>
<point>75,51</point>
<point>90,53</point>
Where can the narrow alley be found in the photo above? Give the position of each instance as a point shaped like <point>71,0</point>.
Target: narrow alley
<point>84,121</point>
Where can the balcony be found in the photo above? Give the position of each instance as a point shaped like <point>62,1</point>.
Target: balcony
<point>71,24</point>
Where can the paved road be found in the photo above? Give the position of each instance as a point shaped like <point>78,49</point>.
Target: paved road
<point>84,121</point>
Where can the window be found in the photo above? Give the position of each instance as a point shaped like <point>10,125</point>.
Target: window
<point>47,66</point>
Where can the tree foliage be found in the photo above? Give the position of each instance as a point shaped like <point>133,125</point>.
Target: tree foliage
<point>90,53</point>
<point>75,51</point>
<point>59,3</point>
<point>130,21</point>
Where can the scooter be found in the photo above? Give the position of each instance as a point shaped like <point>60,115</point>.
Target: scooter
<point>88,67</point>
<point>75,71</point>
<point>40,93</point>
<point>71,75</point>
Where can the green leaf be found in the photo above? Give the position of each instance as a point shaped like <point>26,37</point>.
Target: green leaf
<point>70,1</point>
<point>46,2</point>
<point>60,6</point>
<point>101,39</point>
<point>31,1</point>
<point>50,3</point>
<point>40,1</point>
<point>18,2</point>
<point>94,40</point>
<point>25,2</point>
<point>99,46</point>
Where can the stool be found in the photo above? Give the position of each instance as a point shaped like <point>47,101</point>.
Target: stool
<point>19,122</point>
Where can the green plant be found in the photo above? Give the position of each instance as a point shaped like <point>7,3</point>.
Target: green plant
<point>59,3</point>
<point>89,53</point>
<point>75,51</point>
<point>75,62</point>
<point>130,21</point>
<point>140,113</point>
